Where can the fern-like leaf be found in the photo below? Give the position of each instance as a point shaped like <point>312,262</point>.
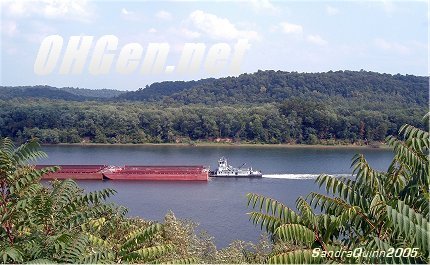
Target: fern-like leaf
<point>296,234</point>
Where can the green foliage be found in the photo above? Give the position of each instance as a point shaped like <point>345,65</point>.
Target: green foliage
<point>64,93</point>
<point>61,224</point>
<point>271,86</point>
<point>341,107</point>
<point>410,225</point>
<point>372,210</point>
<point>295,234</point>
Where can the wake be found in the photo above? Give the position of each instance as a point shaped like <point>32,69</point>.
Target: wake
<point>299,176</point>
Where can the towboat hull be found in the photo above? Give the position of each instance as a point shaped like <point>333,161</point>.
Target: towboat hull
<point>214,175</point>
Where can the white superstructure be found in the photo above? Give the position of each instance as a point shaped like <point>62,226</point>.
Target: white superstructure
<point>225,170</point>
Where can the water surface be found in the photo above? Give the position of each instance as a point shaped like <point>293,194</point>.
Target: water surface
<point>219,205</point>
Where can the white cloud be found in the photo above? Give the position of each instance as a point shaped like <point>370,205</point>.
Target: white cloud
<point>264,5</point>
<point>331,11</point>
<point>164,15</point>
<point>189,33</point>
<point>152,30</point>
<point>388,6</point>
<point>35,33</point>
<point>130,15</point>
<point>316,39</point>
<point>38,32</point>
<point>219,28</point>
<point>290,28</point>
<point>14,8</point>
<point>124,11</point>
<point>78,10</point>
<point>9,28</point>
<point>391,46</point>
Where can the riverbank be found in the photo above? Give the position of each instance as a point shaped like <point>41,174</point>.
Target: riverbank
<point>211,144</point>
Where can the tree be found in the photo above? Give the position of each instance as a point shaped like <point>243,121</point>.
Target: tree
<point>61,224</point>
<point>372,210</point>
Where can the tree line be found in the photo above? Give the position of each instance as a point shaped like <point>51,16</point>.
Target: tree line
<point>292,121</point>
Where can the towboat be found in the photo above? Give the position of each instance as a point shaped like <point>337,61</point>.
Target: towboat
<point>225,170</point>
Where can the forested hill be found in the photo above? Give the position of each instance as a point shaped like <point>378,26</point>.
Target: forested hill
<point>64,93</point>
<point>259,87</point>
<point>341,107</point>
<point>276,86</point>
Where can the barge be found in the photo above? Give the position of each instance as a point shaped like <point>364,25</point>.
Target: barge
<point>156,173</point>
<point>104,172</point>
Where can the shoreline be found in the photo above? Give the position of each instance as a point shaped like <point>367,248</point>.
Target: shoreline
<point>229,145</point>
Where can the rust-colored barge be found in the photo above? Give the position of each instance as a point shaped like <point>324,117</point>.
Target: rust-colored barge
<point>157,173</point>
<point>91,172</point>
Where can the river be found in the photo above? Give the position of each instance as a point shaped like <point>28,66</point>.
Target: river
<point>219,205</point>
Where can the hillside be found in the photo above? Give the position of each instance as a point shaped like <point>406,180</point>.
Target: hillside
<point>257,88</point>
<point>93,93</point>
<point>161,90</point>
<point>64,93</point>
<point>276,86</point>
<point>343,107</point>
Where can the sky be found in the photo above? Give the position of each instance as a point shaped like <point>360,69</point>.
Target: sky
<point>302,36</point>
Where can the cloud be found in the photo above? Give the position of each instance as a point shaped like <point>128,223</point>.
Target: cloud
<point>38,31</point>
<point>316,39</point>
<point>164,15</point>
<point>77,10</point>
<point>129,15</point>
<point>264,5</point>
<point>218,28</point>
<point>388,6</point>
<point>331,11</point>
<point>125,12</point>
<point>9,28</point>
<point>189,33</point>
<point>290,28</point>
<point>152,30</point>
<point>391,46</point>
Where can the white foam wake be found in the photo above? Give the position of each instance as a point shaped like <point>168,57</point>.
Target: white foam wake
<point>290,176</point>
<point>299,176</point>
